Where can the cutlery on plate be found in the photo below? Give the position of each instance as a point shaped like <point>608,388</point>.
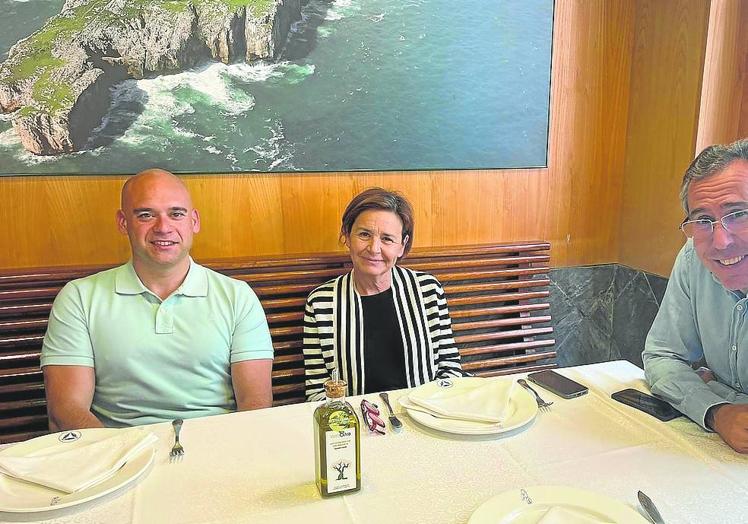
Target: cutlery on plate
<point>650,508</point>
<point>394,421</point>
<point>177,451</point>
<point>542,404</point>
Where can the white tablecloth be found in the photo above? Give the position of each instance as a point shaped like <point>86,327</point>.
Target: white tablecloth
<point>259,466</point>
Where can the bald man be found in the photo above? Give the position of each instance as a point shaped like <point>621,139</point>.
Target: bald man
<point>160,337</point>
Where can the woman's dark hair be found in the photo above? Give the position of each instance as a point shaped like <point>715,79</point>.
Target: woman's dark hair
<point>380,199</point>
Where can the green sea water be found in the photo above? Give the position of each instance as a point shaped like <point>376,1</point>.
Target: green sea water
<point>362,84</point>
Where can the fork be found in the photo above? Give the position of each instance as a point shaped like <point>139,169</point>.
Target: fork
<point>177,451</point>
<point>542,404</point>
<point>394,421</point>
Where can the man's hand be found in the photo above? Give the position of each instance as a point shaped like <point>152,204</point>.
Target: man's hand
<point>705,374</point>
<point>730,421</point>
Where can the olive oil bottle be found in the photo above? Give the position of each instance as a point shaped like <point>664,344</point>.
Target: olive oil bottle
<point>337,443</point>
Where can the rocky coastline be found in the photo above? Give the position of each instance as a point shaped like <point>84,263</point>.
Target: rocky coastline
<point>56,81</point>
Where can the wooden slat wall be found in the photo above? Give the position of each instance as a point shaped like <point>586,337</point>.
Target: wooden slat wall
<point>497,294</point>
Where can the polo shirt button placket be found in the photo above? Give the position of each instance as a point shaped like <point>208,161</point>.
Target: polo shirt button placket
<point>164,319</point>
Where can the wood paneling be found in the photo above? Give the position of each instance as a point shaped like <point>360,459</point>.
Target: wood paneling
<point>724,85</point>
<point>574,203</point>
<point>666,72</point>
<point>625,97</point>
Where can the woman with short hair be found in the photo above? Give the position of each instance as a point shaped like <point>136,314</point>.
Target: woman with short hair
<point>381,325</point>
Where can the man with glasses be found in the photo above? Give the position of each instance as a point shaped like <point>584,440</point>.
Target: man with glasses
<point>703,313</point>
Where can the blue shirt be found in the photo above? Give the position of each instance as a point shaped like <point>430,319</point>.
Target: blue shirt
<point>157,360</point>
<point>699,318</point>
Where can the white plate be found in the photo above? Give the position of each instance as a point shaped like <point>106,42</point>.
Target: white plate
<point>529,505</point>
<point>522,410</point>
<point>17,496</point>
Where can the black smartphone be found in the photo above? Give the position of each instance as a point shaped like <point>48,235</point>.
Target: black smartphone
<point>654,406</point>
<point>557,383</point>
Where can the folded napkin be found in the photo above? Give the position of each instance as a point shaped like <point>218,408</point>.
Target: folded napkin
<point>75,466</point>
<point>466,398</point>
<point>410,406</point>
<point>560,515</point>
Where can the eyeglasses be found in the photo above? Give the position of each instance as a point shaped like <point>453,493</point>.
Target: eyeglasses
<point>735,223</point>
<point>370,413</point>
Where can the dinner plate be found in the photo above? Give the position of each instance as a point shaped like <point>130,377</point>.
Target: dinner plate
<point>19,497</point>
<point>521,410</point>
<point>529,505</point>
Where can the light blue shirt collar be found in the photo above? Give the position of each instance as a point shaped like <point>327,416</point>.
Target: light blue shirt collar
<point>195,284</point>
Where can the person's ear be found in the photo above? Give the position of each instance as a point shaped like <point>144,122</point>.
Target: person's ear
<point>402,246</point>
<point>121,221</point>
<point>195,221</point>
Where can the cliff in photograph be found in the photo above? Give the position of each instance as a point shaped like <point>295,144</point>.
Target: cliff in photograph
<point>56,81</point>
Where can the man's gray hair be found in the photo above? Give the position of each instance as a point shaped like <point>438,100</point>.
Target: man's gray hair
<point>711,161</point>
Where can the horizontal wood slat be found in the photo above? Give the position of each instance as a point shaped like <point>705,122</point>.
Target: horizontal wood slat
<point>509,371</point>
<point>33,422</point>
<point>485,324</point>
<point>457,301</point>
<point>21,340</point>
<point>23,404</point>
<point>499,261</point>
<point>23,325</point>
<point>497,294</point>
<point>22,387</point>
<point>488,275</point>
<point>508,347</point>
<point>501,362</point>
<point>497,335</point>
<point>14,311</point>
<point>493,286</point>
<point>499,310</point>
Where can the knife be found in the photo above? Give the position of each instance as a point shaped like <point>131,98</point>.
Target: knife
<point>650,508</point>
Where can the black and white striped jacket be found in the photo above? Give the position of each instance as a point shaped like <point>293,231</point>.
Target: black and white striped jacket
<point>333,332</point>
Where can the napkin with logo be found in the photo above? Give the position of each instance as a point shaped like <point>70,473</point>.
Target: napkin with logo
<point>561,515</point>
<point>78,465</point>
<point>466,398</point>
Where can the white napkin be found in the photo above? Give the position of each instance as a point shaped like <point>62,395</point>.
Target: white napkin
<point>411,406</point>
<point>559,515</point>
<point>75,466</point>
<point>466,398</point>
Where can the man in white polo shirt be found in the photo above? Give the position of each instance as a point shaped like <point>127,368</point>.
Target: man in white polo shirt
<point>160,337</point>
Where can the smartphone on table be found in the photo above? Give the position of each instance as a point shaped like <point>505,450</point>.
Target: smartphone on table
<point>557,383</point>
<point>650,405</point>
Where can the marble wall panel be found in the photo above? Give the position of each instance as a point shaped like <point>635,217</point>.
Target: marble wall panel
<point>602,312</point>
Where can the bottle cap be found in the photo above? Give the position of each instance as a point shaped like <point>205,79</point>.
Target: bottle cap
<point>335,388</point>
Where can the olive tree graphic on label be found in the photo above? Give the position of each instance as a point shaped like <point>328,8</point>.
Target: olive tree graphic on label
<point>340,467</point>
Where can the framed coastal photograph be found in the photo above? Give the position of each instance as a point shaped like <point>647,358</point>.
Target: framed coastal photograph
<point>220,86</point>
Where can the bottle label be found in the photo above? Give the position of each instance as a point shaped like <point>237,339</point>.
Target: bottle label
<point>341,460</point>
